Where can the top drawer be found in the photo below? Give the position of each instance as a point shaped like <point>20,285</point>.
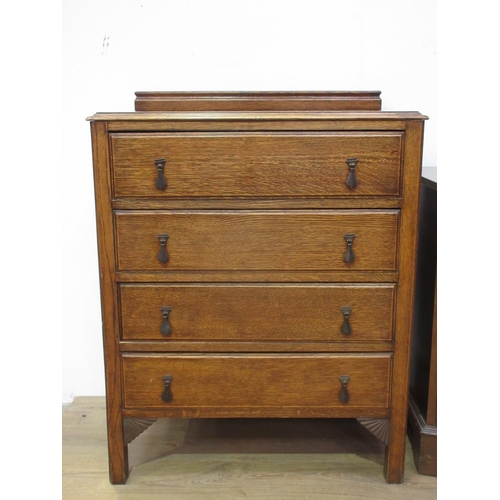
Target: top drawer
<point>256,164</point>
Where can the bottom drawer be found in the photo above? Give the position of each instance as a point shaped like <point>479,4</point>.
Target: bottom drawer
<point>349,382</point>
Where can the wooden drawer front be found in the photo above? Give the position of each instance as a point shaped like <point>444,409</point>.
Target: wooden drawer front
<point>256,380</point>
<point>256,164</point>
<point>257,312</point>
<point>246,240</point>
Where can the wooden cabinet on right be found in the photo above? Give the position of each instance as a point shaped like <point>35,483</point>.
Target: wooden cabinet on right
<point>422,410</point>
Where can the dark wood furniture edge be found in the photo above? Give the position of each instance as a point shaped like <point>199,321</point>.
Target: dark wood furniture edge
<point>422,412</point>
<point>423,439</point>
<point>432,184</point>
<point>257,101</point>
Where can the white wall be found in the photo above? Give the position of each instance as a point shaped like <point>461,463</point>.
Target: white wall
<point>112,48</point>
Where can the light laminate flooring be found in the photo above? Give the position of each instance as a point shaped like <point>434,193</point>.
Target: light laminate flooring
<point>219,459</point>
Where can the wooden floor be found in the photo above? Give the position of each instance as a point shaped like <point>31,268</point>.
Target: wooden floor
<point>205,459</point>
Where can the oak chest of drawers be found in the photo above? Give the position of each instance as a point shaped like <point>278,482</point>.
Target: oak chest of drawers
<point>257,259</point>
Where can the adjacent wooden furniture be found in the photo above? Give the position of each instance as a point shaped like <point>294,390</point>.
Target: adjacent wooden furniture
<point>257,259</point>
<point>422,414</point>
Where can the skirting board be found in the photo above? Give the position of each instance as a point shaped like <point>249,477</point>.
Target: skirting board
<point>423,439</point>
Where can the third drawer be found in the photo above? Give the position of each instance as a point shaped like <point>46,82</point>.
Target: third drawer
<point>262,312</point>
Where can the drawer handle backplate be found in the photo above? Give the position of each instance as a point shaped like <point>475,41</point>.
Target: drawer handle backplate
<point>349,254</point>
<point>161,182</point>
<point>344,395</point>
<point>351,181</point>
<point>346,327</point>
<point>165,325</point>
<point>167,393</point>
<point>163,254</point>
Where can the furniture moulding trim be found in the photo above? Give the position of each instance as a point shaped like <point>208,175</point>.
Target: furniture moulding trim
<point>418,420</point>
<point>252,116</point>
<point>194,346</point>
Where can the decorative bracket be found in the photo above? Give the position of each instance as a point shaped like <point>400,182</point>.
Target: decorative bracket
<point>379,427</point>
<point>132,427</point>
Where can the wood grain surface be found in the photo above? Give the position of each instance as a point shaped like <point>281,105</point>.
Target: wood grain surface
<point>253,122</point>
<point>258,101</point>
<point>281,117</point>
<point>228,459</point>
<point>394,466</point>
<point>257,240</point>
<point>290,276</point>
<point>256,164</point>
<point>277,312</point>
<point>225,381</point>
<point>217,203</point>
<point>284,346</point>
<point>118,458</point>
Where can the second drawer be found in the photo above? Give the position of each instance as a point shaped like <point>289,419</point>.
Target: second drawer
<point>273,240</point>
<point>267,312</point>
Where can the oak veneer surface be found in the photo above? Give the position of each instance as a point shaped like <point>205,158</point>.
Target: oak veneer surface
<point>256,101</point>
<point>257,240</point>
<point>256,164</point>
<point>256,380</point>
<point>257,312</point>
<point>298,201</point>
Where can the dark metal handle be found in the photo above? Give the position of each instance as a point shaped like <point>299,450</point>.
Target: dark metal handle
<point>344,395</point>
<point>349,254</point>
<point>161,182</point>
<point>167,394</point>
<point>346,327</point>
<point>165,326</point>
<point>163,254</point>
<point>351,181</point>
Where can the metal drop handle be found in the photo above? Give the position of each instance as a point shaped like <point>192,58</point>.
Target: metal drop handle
<point>167,393</point>
<point>349,254</point>
<point>346,327</point>
<point>161,182</point>
<point>352,181</point>
<point>165,325</point>
<point>163,254</point>
<point>344,394</point>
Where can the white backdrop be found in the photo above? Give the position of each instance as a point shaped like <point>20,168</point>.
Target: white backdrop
<point>112,48</point>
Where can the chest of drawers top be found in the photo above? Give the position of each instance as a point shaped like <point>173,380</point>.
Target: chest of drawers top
<point>257,111</point>
<point>233,149</point>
